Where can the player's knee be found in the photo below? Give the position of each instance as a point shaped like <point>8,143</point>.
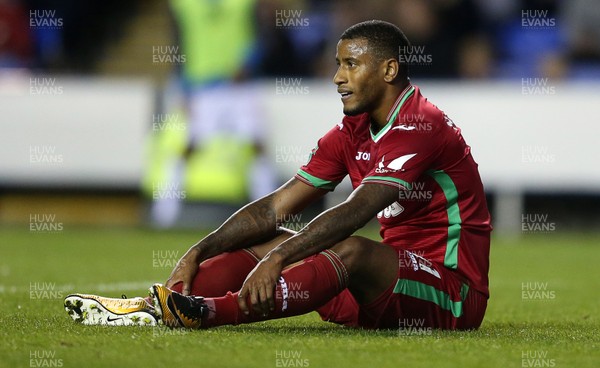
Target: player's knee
<point>351,251</point>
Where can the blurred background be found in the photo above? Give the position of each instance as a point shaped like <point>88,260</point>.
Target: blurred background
<point>175,113</point>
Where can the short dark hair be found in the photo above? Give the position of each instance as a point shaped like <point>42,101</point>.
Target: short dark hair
<point>385,39</point>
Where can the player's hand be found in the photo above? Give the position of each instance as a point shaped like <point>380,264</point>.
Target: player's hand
<point>260,286</point>
<point>185,270</point>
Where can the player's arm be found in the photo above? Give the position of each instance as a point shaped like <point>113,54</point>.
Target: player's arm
<point>335,224</point>
<point>327,229</point>
<point>257,222</point>
<point>250,225</point>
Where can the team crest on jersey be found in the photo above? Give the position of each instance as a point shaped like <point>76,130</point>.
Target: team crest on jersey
<point>395,165</point>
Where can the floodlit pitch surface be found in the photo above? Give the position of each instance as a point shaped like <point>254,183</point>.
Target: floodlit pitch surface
<point>544,310</point>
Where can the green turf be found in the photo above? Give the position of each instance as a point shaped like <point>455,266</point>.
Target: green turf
<point>559,328</point>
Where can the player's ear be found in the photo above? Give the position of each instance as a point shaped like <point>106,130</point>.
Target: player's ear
<point>391,70</point>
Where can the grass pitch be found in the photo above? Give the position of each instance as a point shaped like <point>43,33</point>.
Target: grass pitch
<point>544,310</point>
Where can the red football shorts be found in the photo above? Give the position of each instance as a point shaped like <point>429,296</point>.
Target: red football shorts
<point>425,295</point>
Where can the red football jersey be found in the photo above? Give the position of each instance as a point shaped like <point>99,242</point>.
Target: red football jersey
<point>441,212</point>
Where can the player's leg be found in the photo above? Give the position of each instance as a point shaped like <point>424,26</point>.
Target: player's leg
<point>367,267</point>
<point>227,271</point>
<point>372,266</point>
<point>344,308</point>
<point>425,295</point>
<point>394,288</point>
<point>215,277</point>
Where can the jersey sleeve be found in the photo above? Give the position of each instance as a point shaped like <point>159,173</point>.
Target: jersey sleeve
<point>325,168</point>
<point>403,156</point>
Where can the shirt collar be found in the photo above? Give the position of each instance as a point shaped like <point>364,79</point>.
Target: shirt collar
<point>394,111</point>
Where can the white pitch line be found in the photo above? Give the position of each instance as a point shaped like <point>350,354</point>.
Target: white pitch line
<point>84,288</point>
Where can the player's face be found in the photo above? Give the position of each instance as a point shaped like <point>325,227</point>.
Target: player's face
<point>357,76</point>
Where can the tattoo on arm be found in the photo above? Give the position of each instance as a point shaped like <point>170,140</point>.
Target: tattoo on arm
<point>337,223</point>
<point>248,226</point>
<point>257,222</point>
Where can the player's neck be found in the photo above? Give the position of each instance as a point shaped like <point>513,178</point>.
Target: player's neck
<point>380,114</point>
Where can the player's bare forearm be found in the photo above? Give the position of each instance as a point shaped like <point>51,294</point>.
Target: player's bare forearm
<point>239,228</point>
<point>335,224</point>
<point>256,222</point>
<point>253,223</point>
<point>253,219</point>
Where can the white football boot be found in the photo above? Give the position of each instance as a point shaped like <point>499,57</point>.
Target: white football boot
<point>98,310</point>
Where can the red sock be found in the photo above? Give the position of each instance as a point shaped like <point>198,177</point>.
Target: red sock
<point>301,289</point>
<point>225,272</point>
